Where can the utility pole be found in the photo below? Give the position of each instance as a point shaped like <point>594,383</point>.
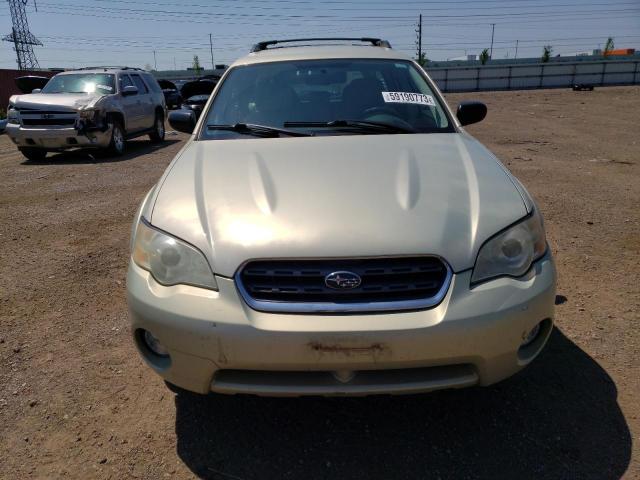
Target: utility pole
<point>516,49</point>
<point>493,27</point>
<point>155,64</point>
<point>174,63</point>
<point>213,65</point>
<point>419,39</point>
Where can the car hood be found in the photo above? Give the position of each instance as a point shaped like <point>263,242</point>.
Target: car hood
<point>167,85</point>
<point>337,196</point>
<point>61,101</point>
<point>199,100</point>
<point>30,82</point>
<point>198,87</point>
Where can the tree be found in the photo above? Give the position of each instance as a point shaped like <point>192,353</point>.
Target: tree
<point>422,61</point>
<point>546,53</point>
<point>196,65</point>
<point>608,46</point>
<point>484,56</point>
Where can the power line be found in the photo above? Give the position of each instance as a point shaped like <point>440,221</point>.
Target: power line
<point>340,18</point>
<point>266,19</point>
<point>580,16</point>
<point>98,39</point>
<point>324,6</point>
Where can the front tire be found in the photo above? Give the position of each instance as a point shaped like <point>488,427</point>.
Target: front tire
<point>116,146</point>
<point>157,135</point>
<point>33,154</point>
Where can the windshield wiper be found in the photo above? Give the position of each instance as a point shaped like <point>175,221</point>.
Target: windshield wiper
<point>258,130</point>
<point>378,127</point>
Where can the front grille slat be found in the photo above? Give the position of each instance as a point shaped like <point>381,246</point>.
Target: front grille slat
<point>393,283</point>
<point>48,121</point>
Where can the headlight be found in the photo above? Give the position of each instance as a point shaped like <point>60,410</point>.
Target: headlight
<point>511,253</point>
<point>12,115</point>
<point>88,113</point>
<point>170,261</point>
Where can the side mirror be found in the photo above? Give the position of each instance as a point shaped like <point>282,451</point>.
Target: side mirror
<point>471,112</point>
<point>130,90</point>
<point>182,120</point>
<point>36,90</point>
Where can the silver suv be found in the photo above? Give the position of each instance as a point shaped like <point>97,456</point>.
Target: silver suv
<point>98,107</point>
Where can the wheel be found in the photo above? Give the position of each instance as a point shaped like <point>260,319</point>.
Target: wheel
<point>158,130</point>
<point>116,146</point>
<point>33,154</point>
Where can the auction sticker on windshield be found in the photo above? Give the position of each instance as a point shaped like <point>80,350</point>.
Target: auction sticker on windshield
<point>408,97</point>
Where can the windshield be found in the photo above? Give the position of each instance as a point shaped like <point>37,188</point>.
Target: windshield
<point>81,83</point>
<point>293,93</point>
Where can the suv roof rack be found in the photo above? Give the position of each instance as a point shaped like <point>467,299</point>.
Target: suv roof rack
<point>109,67</point>
<point>377,42</point>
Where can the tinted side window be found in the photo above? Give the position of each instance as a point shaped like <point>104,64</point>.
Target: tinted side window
<point>125,81</point>
<point>151,82</point>
<point>142,88</point>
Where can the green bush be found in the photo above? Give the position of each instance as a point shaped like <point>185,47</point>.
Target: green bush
<point>3,113</point>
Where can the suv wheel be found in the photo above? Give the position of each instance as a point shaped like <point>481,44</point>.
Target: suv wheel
<point>157,135</point>
<point>116,146</point>
<point>33,154</point>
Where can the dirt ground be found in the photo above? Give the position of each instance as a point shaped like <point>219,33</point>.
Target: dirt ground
<point>76,401</point>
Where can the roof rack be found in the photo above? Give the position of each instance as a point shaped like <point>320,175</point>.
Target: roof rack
<point>377,42</point>
<point>109,67</point>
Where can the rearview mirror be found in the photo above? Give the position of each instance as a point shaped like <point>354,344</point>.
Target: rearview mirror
<point>182,120</point>
<point>36,90</point>
<point>130,90</point>
<point>471,112</point>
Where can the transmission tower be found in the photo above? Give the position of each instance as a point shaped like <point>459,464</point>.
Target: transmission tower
<point>23,40</point>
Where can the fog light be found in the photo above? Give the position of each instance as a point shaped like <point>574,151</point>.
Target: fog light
<point>531,336</point>
<point>154,345</point>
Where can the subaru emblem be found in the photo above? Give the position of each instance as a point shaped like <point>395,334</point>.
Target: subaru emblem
<point>342,280</point>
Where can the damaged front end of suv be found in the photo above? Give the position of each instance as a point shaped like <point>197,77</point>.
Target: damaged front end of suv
<point>91,108</point>
<point>68,111</point>
<point>93,118</point>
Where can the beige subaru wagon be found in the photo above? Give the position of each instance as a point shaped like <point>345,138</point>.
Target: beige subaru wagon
<point>329,228</point>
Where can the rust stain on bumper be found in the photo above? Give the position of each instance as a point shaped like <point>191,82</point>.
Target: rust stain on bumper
<point>374,350</point>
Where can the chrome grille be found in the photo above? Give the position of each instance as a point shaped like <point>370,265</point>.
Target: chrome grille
<point>48,121</point>
<point>389,283</point>
<point>33,118</point>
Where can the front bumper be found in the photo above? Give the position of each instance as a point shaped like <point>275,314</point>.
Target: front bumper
<point>217,343</point>
<point>57,138</point>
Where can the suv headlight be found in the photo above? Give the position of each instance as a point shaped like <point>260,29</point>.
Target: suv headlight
<point>169,260</point>
<point>88,114</point>
<point>511,252</point>
<point>12,115</point>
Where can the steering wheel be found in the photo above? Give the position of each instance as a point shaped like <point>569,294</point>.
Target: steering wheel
<point>380,111</point>
<point>400,122</point>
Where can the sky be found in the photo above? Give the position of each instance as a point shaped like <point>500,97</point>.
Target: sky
<point>77,33</point>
